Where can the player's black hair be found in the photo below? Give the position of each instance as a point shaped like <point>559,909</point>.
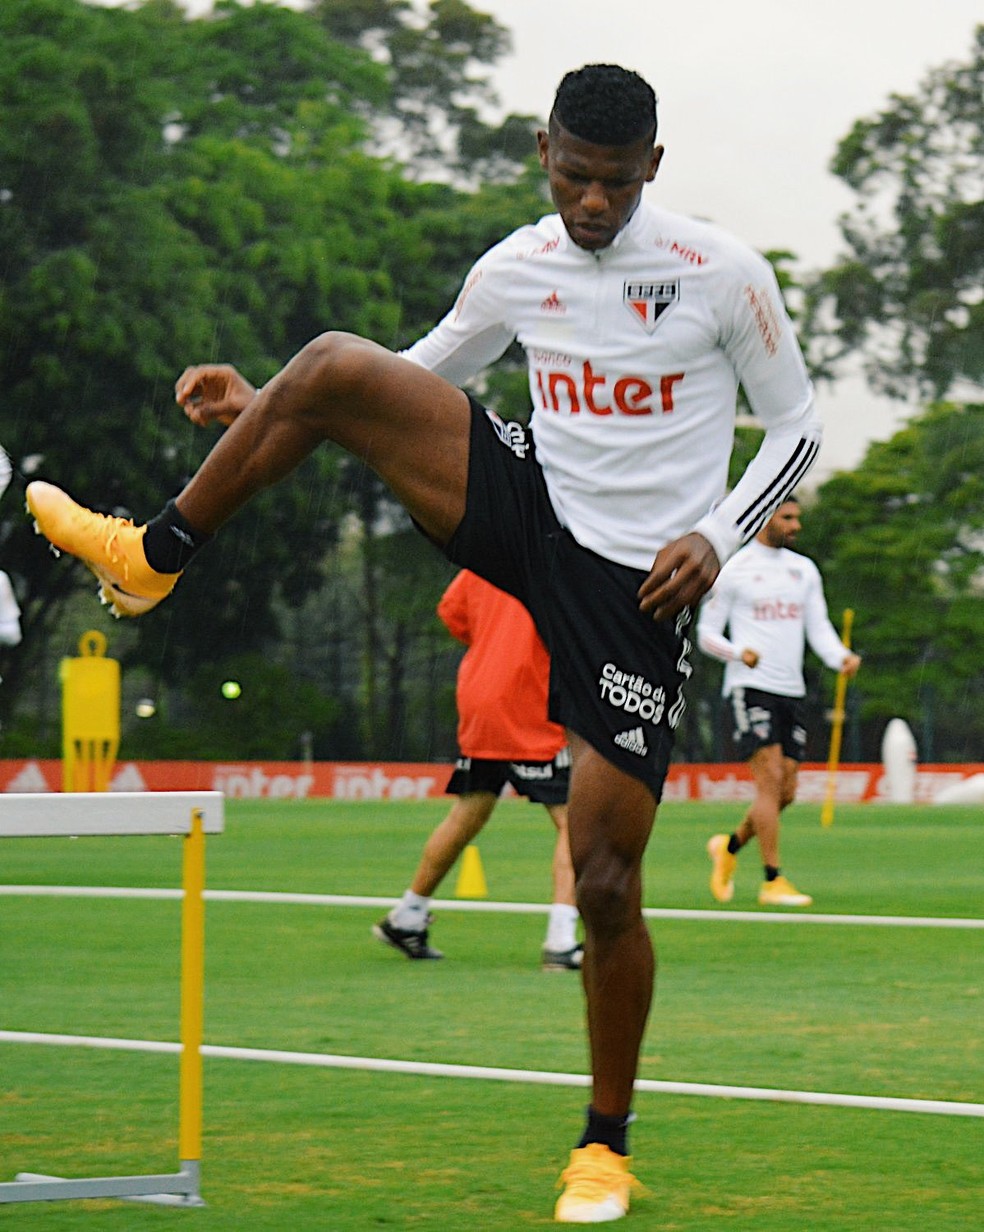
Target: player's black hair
<point>606,105</point>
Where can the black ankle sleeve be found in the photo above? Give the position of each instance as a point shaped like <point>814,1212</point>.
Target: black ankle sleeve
<point>170,541</point>
<point>611,1131</point>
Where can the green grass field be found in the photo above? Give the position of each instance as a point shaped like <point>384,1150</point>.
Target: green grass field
<point>838,1008</point>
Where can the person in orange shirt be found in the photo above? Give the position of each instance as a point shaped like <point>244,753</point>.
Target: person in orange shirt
<point>504,736</point>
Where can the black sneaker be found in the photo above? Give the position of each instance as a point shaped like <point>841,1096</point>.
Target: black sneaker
<point>409,941</point>
<point>563,960</point>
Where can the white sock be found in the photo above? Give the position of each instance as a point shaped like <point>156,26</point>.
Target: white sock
<point>561,927</point>
<point>410,911</point>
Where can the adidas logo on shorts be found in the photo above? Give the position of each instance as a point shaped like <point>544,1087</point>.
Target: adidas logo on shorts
<point>632,741</point>
<point>512,434</point>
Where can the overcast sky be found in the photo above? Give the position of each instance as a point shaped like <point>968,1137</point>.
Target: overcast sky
<point>754,96</point>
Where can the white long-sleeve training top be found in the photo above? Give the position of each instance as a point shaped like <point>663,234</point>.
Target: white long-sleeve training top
<point>768,599</point>
<point>635,356</point>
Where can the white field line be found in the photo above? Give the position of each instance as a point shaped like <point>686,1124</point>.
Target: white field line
<point>459,904</point>
<point>939,1107</point>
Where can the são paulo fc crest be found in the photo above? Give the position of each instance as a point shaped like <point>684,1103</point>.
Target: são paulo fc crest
<point>650,301</point>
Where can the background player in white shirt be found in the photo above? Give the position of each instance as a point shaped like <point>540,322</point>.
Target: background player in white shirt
<point>770,600</point>
<point>638,325</point>
<point>10,629</point>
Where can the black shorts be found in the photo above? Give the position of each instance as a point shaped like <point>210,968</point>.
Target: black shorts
<point>761,719</point>
<point>616,675</point>
<point>543,782</point>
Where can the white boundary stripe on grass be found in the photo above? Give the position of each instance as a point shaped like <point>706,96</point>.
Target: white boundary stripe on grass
<point>458,904</point>
<point>881,1103</point>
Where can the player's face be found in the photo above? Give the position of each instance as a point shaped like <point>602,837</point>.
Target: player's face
<point>784,525</point>
<point>595,188</point>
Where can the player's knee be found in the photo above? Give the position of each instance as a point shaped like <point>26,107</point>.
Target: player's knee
<point>607,890</point>
<point>769,785</point>
<point>343,362</point>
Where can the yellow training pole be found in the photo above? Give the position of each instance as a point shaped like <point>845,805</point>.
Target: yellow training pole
<point>837,728</point>
<point>192,994</point>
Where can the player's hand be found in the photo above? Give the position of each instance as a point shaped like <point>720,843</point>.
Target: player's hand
<point>212,392</point>
<point>682,573</point>
<point>850,666</point>
<point>750,657</point>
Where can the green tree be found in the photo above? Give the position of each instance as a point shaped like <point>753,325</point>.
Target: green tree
<point>112,281</point>
<point>175,190</point>
<point>901,541</point>
<point>906,293</point>
<point>437,61</point>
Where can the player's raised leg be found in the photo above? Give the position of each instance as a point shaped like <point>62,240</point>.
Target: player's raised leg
<point>410,426</point>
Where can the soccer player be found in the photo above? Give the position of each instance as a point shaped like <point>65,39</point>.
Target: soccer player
<point>770,599</point>
<point>504,736</point>
<point>10,629</point>
<point>6,470</point>
<point>607,519</point>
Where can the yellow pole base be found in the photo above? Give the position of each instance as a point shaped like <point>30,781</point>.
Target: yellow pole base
<point>471,879</point>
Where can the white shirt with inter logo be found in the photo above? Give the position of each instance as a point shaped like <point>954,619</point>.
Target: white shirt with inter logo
<point>635,356</point>
<point>769,600</point>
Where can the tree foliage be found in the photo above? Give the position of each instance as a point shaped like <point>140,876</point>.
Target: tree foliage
<point>176,190</point>
<point>907,292</point>
<point>901,541</point>
<point>437,63</point>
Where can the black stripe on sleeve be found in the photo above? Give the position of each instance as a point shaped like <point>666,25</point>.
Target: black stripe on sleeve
<point>751,521</point>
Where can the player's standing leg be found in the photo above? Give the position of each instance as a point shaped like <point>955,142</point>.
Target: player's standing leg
<point>610,816</point>
<point>776,889</point>
<point>775,776</point>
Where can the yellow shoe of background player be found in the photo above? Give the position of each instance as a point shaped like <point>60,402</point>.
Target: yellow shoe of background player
<point>111,547</point>
<point>782,893</point>
<point>597,1183</point>
<point>723,868</point>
